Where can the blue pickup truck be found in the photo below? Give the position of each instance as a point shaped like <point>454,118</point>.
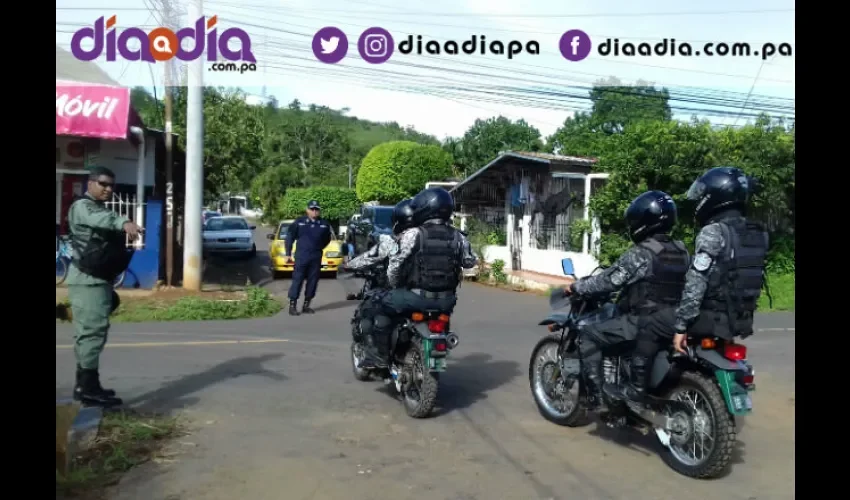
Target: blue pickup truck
<point>363,231</point>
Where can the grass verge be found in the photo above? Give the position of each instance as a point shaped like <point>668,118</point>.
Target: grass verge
<point>125,439</point>
<point>178,306</point>
<point>782,289</point>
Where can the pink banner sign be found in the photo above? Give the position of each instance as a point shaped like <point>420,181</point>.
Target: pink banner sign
<point>89,110</point>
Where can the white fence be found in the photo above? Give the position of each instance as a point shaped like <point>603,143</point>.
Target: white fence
<point>125,205</point>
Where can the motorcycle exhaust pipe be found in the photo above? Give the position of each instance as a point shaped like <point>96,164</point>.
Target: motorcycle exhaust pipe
<point>453,340</point>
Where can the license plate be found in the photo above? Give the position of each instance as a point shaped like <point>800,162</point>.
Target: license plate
<point>742,401</point>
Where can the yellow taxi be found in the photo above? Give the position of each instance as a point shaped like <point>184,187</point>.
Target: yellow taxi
<point>332,255</point>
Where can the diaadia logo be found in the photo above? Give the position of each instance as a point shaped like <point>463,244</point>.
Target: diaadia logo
<point>161,44</point>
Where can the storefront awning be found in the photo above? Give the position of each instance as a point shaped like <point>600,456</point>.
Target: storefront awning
<point>93,110</point>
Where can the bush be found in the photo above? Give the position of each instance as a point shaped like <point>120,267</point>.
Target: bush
<point>337,203</point>
<point>396,170</point>
<point>669,155</point>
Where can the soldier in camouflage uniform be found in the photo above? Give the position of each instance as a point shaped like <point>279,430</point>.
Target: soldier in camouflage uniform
<point>425,272</point>
<point>370,309</point>
<point>726,277</point>
<point>98,256</point>
<point>650,277</point>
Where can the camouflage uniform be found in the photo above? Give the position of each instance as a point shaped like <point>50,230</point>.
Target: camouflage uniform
<point>407,242</point>
<point>370,308</point>
<point>619,322</point>
<point>709,246</point>
<point>399,300</point>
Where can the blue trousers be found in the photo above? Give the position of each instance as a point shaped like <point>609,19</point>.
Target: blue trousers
<point>307,268</point>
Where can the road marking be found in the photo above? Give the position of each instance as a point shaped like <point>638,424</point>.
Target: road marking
<point>775,329</point>
<point>191,343</point>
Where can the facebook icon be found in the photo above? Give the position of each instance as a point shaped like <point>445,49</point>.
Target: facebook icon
<point>575,45</point>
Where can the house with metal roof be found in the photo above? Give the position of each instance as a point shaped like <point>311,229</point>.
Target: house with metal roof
<point>531,201</point>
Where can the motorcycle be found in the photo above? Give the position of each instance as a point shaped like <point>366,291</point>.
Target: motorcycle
<point>693,400</point>
<point>419,347</point>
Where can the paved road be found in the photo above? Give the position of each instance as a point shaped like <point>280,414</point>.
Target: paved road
<point>279,416</point>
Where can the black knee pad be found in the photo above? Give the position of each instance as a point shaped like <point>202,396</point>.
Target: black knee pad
<point>383,323</point>
<point>366,326</point>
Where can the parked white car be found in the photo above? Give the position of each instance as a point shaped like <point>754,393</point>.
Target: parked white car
<point>229,235</point>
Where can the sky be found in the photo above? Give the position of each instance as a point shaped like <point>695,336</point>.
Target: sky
<point>422,90</point>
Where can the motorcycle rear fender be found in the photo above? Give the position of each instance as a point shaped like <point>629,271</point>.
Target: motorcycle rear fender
<point>661,366</point>
<point>435,364</point>
<point>559,319</point>
<point>724,370</point>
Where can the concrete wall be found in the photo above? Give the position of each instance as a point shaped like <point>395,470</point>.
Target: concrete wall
<point>120,156</point>
<point>543,261</point>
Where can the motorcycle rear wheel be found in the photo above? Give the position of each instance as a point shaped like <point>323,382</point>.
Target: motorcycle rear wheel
<point>420,380</point>
<point>544,359</point>
<point>722,429</point>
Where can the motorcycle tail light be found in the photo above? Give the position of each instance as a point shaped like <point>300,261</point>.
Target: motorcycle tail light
<point>735,352</point>
<point>436,326</point>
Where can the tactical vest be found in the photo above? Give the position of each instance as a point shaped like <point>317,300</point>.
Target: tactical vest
<point>662,287</point>
<point>735,286</point>
<point>436,264</point>
<point>101,253</point>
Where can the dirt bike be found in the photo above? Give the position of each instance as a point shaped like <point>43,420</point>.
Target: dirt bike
<point>692,400</point>
<point>419,347</point>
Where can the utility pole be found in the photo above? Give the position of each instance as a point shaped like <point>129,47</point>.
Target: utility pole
<point>349,176</point>
<point>192,246</point>
<point>169,161</point>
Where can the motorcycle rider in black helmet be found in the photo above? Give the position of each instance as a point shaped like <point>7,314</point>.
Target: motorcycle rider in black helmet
<point>426,270</point>
<point>650,277</point>
<point>724,282</point>
<point>378,255</point>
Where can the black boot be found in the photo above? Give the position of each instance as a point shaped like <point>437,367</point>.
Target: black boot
<point>593,376</point>
<point>293,308</point>
<point>306,309</point>
<point>373,354</point>
<point>635,390</point>
<point>90,392</point>
<point>108,392</point>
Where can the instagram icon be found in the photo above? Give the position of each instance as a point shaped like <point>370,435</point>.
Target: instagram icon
<point>375,45</point>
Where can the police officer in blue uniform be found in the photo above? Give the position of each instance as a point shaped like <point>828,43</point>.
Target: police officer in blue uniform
<point>312,234</point>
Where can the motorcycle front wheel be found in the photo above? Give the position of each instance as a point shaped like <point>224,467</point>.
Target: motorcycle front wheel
<point>357,357</point>
<point>420,388</point>
<point>703,449</point>
<point>556,394</point>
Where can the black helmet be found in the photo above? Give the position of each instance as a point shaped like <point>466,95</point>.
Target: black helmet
<point>402,216</point>
<point>651,213</point>
<point>721,188</point>
<point>432,203</point>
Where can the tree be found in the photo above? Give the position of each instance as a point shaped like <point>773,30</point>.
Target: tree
<point>311,140</point>
<point>234,133</point>
<point>669,155</point>
<point>395,170</point>
<point>485,139</point>
<point>337,203</point>
<point>615,107</point>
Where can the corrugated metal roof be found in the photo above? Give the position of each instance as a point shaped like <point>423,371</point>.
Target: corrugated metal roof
<point>553,157</point>
<point>547,158</point>
<point>70,68</point>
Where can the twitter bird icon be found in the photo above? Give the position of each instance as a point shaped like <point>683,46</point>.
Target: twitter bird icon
<point>330,45</point>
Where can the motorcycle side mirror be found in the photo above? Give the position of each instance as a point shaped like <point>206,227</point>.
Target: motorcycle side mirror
<point>567,267</point>
<point>270,236</point>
